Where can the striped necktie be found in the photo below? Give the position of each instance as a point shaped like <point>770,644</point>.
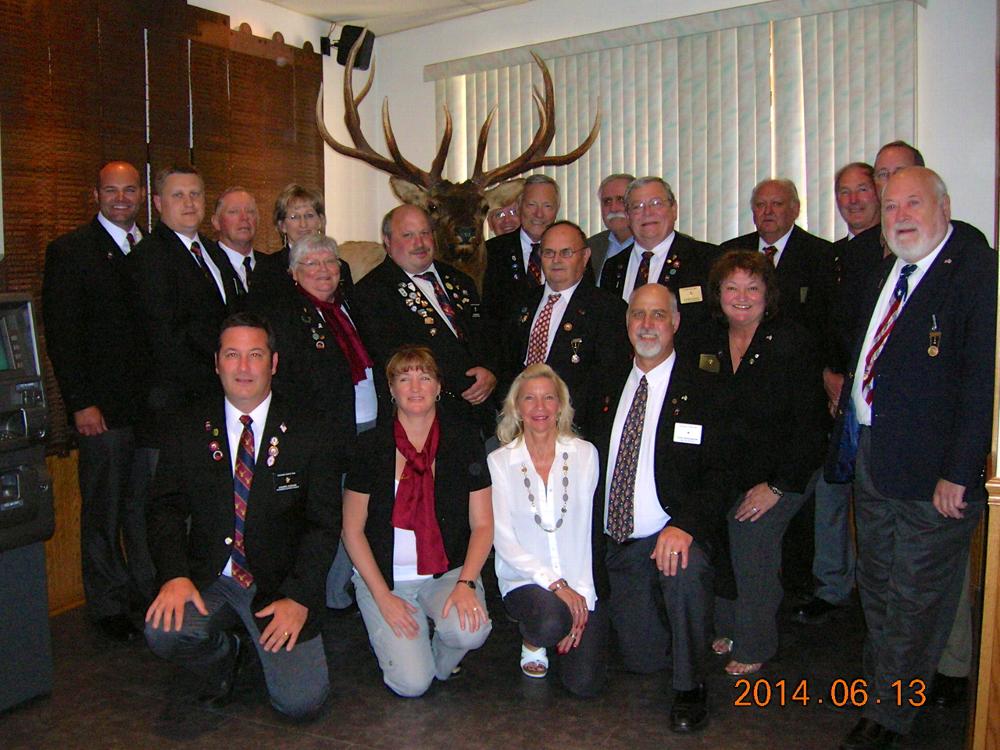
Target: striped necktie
<point>884,329</point>
<point>242,481</point>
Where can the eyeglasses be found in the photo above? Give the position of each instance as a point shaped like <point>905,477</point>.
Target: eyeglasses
<point>305,216</point>
<point>313,266</point>
<point>653,204</point>
<point>504,213</point>
<point>566,253</point>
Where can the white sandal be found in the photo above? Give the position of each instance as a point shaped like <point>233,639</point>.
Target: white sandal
<point>534,664</point>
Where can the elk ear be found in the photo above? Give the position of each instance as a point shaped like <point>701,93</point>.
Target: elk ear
<point>408,192</point>
<point>505,193</point>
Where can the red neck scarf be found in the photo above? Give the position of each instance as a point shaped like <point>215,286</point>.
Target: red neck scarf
<point>344,331</point>
<point>414,506</point>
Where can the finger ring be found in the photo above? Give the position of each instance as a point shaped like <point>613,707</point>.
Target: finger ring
<point>475,609</point>
<point>675,553</point>
<point>286,634</point>
<point>755,509</point>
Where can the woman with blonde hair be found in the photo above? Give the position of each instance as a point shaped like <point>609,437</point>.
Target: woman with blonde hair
<point>544,479</point>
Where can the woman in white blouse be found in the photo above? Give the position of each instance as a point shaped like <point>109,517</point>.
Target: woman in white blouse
<point>544,479</point>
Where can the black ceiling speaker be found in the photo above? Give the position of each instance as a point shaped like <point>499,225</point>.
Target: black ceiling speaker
<point>348,36</point>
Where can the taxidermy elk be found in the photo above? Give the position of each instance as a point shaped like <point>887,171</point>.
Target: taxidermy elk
<point>457,211</point>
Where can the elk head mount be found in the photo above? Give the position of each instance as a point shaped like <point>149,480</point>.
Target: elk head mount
<point>457,211</point>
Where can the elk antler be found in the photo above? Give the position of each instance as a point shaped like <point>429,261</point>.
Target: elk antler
<point>533,156</point>
<point>397,165</point>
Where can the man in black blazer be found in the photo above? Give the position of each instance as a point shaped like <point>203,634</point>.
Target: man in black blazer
<point>243,525</point>
<point>183,286</point>
<point>568,323</point>
<point>95,345</point>
<point>664,518</point>
<point>617,235</point>
<point>235,220</point>
<point>922,392</point>
<point>412,299</point>
<point>801,259</point>
<point>675,260</point>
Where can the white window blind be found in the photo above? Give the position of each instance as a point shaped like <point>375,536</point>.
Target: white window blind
<point>713,103</point>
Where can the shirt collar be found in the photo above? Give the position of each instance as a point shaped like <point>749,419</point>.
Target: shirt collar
<point>117,233</point>
<point>659,250</point>
<point>658,374</point>
<point>258,415</point>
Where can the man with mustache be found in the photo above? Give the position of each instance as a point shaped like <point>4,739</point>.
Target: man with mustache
<point>921,395</point>
<point>411,298</point>
<point>618,235</point>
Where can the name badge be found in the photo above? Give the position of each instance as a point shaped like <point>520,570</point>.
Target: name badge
<point>690,294</point>
<point>803,293</point>
<point>285,481</point>
<point>687,433</point>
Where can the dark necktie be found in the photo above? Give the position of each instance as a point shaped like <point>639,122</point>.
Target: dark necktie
<point>621,496</point>
<point>443,300</point>
<point>131,241</point>
<point>884,329</point>
<point>535,262</point>
<point>538,343</point>
<point>642,277</point>
<point>242,480</point>
<point>247,270</point>
<point>771,251</point>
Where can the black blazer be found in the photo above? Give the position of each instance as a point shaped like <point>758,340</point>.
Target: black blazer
<point>91,333</point>
<point>293,513</point>
<point>691,481</point>
<point>505,280</point>
<point>932,415</point>
<point>392,318</point>
<point>803,277</point>
<point>685,270</point>
<point>595,320</point>
<point>180,312</point>
<point>460,468</point>
<point>271,281</point>
<point>773,405</point>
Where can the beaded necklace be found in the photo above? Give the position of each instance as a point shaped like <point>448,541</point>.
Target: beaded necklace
<point>565,497</point>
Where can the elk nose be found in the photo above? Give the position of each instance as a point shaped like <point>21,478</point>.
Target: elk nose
<point>465,234</point>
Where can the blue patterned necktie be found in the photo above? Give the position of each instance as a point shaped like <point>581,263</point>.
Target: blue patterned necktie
<point>621,497</point>
<point>242,481</point>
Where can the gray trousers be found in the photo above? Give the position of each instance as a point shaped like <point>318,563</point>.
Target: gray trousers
<point>834,560</point>
<point>297,680</point>
<point>911,562</point>
<point>410,666</point>
<point>116,566</point>
<point>661,618</point>
<point>755,548</point>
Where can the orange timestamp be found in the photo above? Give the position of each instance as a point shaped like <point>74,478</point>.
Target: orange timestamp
<point>762,693</point>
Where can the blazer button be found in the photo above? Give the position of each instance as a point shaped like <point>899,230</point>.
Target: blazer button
<point>229,540</point>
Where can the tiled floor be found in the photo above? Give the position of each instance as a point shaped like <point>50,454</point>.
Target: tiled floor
<point>111,696</point>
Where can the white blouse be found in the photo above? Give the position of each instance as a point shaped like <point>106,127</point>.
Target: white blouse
<point>525,552</point>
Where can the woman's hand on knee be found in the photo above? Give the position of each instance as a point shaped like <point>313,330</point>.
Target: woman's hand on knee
<point>577,606</point>
<point>471,615</point>
<point>398,614</point>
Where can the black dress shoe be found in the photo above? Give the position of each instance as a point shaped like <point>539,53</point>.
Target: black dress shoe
<point>221,694</point>
<point>869,735</point>
<point>948,691</point>
<point>814,612</point>
<point>690,710</point>
<point>118,628</point>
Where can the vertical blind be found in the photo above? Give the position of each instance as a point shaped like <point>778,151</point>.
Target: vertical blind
<point>712,112</point>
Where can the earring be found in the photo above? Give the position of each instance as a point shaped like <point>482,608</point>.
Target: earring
<point>392,399</point>
<point>438,398</point>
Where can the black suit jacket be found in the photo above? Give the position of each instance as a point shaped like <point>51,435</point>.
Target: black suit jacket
<point>773,405</point>
<point>685,270</point>
<point>180,312</point>
<point>271,282</point>
<point>293,513</point>
<point>391,318</point>
<point>91,332</point>
<point>931,415</point>
<point>692,484</point>
<point>594,320</point>
<point>505,280</point>
<point>803,276</point>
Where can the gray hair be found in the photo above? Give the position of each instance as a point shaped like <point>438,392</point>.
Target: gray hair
<point>649,180</point>
<point>229,191</point>
<point>864,166</point>
<point>540,179</point>
<point>787,184</point>
<point>311,243</point>
<point>612,178</point>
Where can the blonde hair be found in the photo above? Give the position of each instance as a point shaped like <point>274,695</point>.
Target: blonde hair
<point>511,427</point>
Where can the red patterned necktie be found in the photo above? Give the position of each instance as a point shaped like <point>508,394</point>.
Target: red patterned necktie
<point>538,344</point>
<point>642,277</point>
<point>443,300</point>
<point>884,329</point>
<point>535,262</point>
<point>621,496</point>
<point>770,251</point>
<point>242,481</point>
<point>131,240</point>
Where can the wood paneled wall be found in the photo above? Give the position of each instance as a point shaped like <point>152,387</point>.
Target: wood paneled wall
<point>74,96</point>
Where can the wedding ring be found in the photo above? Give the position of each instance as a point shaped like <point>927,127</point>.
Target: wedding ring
<point>286,634</point>
<point>675,553</point>
<point>755,509</point>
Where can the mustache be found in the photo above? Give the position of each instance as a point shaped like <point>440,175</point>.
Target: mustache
<point>616,215</point>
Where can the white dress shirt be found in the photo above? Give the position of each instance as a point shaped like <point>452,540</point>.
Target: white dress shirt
<point>527,554</point>
<point>118,234</point>
<point>558,310</point>
<point>780,245</point>
<point>234,430</point>
<point>526,243</point>
<point>236,260</point>
<point>660,253</point>
<point>404,552</point>
<point>648,515</point>
<point>209,263</point>
<point>861,408</point>
<point>427,289</point>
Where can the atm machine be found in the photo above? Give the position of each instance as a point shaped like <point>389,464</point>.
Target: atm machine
<point>26,512</point>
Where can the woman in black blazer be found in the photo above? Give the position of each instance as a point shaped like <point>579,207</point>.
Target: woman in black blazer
<point>769,392</point>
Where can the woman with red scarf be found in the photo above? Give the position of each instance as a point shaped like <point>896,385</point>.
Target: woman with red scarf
<point>418,524</point>
<point>322,360</point>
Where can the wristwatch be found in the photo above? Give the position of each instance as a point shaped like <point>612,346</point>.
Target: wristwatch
<point>775,490</point>
<point>467,582</point>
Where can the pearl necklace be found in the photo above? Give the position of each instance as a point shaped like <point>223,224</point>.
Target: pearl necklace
<point>565,497</point>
